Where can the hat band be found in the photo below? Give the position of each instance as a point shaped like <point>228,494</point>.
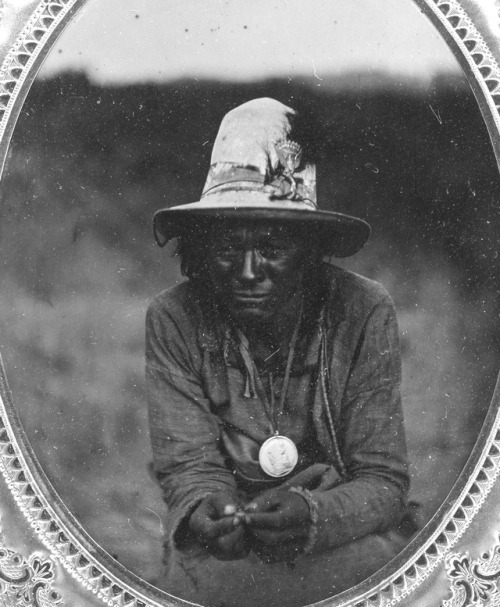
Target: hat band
<point>224,176</point>
<point>223,173</point>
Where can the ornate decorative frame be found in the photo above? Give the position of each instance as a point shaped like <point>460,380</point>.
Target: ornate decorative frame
<point>46,558</point>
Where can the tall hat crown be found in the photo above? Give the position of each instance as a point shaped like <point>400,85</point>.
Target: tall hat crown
<point>258,172</point>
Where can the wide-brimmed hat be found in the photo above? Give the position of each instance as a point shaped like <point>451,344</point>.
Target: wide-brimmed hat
<point>258,173</point>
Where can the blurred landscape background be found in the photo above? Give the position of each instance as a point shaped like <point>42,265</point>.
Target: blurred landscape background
<point>88,166</point>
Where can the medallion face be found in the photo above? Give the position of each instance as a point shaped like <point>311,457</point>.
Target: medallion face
<point>278,456</point>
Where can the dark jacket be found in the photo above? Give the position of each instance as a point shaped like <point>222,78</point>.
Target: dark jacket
<point>359,485</point>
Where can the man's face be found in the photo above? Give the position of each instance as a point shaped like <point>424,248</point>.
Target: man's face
<point>255,270</point>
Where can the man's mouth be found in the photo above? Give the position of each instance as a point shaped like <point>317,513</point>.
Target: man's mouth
<point>250,298</point>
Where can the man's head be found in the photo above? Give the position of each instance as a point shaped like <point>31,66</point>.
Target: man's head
<point>255,269</point>
<point>259,176</point>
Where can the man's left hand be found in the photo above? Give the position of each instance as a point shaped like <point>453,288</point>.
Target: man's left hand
<point>279,521</point>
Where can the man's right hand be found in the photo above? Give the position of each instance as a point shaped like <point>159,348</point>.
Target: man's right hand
<point>215,525</point>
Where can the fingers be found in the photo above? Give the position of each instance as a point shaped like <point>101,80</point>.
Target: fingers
<point>275,520</point>
<point>268,520</point>
<point>278,511</point>
<point>223,526</point>
<point>217,515</point>
<point>232,546</point>
<point>268,501</point>
<point>209,529</point>
<point>221,504</point>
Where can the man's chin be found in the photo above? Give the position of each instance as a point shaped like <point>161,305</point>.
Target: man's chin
<point>250,316</point>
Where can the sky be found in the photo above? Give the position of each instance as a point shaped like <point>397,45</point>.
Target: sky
<point>120,41</point>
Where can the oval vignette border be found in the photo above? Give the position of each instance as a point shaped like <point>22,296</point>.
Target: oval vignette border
<point>27,33</point>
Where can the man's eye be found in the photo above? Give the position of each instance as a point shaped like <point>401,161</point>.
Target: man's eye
<point>226,251</point>
<point>272,251</point>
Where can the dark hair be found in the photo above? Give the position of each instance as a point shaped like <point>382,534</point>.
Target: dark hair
<point>192,250</point>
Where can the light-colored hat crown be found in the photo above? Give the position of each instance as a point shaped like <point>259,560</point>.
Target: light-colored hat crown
<point>253,152</point>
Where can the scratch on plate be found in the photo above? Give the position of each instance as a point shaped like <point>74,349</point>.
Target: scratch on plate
<point>314,70</point>
<point>436,114</point>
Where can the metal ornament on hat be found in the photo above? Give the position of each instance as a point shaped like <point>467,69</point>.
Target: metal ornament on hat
<point>290,156</point>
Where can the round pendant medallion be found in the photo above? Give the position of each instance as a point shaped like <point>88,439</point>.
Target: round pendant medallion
<point>278,456</point>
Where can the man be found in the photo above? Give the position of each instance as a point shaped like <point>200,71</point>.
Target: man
<point>273,384</point>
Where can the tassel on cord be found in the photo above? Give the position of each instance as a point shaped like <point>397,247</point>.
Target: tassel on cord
<point>250,378</point>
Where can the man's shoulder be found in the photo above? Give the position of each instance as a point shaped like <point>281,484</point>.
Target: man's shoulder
<point>175,302</point>
<point>355,290</point>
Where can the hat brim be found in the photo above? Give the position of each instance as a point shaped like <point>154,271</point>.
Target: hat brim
<point>337,234</point>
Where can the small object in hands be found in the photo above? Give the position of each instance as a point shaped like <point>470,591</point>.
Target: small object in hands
<point>237,515</point>
<point>278,456</point>
<point>229,510</point>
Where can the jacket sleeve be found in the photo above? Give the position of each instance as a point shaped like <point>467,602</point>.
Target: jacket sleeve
<point>185,435</point>
<point>372,497</point>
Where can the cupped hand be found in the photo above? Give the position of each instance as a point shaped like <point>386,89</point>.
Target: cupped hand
<point>217,525</point>
<point>279,522</point>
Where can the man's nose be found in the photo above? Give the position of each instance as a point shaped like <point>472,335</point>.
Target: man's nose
<point>251,267</point>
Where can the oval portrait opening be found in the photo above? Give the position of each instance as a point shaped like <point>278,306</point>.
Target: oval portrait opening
<point>249,311</point>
